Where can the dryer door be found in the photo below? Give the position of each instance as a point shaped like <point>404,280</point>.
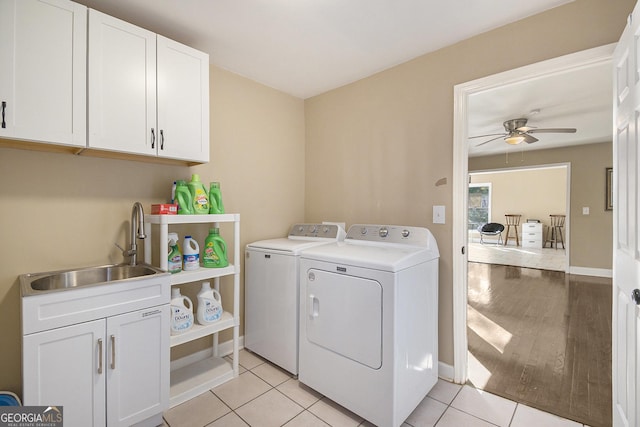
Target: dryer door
<point>345,315</point>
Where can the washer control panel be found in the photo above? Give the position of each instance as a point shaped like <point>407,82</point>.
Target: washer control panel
<point>329,231</point>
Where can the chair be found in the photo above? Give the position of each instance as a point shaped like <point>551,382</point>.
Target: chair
<point>491,229</point>
<point>554,234</point>
<point>513,221</point>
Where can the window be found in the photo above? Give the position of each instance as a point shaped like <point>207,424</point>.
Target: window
<point>479,205</point>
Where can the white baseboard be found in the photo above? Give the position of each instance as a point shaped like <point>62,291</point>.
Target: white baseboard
<point>224,349</point>
<point>586,271</point>
<point>445,371</point>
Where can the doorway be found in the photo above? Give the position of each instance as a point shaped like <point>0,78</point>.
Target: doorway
<point>462,93</point>
<point>534,193</point>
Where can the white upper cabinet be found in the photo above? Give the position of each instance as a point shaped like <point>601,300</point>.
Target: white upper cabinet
<point>147,94</point>
<point>122,86</point>
<point>183,101</point>
<point>43,71</point>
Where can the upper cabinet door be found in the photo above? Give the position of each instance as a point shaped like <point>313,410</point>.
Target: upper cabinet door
<point>183,101</point>
<point>122,86</point>
<point>43,71</point>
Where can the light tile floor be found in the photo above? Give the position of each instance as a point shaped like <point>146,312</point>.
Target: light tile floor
<point>545,258</point>
<point>265,396</point>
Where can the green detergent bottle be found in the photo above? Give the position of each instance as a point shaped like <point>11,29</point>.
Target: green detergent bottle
<point>199,195</point>
<point>215,250</point>
<point>215,199</point>
<point>183,198</point>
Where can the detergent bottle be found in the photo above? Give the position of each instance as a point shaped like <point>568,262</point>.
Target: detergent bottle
<point>190,254</point>
<point>215,199</point>
<point>215,250</point>
<point>181,312</point>
<point>183,198</point>
<point>209,305</point>
<point>199,196</point>
<point>174,264</point>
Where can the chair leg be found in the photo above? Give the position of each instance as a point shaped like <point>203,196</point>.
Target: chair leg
<point>561,238</point>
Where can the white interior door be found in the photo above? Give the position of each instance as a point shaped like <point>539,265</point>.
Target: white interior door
<point>626,269</point>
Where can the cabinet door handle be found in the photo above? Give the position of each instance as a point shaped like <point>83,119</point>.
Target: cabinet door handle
<point>153,138</point>
<point>161,139</point>
<point>100,355</point>
<point>113,352</point>
<point>4,107</point>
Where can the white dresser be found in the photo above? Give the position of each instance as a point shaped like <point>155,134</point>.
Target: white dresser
<point>532,235</point>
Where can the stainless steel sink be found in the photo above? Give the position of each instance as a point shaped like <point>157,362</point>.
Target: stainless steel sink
<point>36,283</point>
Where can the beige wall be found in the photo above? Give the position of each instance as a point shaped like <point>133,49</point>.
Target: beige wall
<point>63,211</point>
<point>532,193</point>
<point>376,148</point>
<point>591,242</point>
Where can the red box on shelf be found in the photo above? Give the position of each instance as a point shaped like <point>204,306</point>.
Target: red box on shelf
<point>164,209</point>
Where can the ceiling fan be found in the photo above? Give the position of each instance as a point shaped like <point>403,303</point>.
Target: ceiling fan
<point>517,131</point>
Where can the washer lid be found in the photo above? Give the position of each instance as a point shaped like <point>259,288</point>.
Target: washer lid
<point>287,245</point>
<point>302,236</point>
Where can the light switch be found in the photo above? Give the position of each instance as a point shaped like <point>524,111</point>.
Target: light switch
<point>438,214</point>
<point>585,211</point>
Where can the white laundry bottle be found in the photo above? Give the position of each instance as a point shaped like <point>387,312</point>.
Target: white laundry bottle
<point>190,254</point>
<point>181,312</point>
<point>209,305</point>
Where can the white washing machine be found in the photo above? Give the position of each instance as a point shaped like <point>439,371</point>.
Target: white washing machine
<point>369,320</point>
<point>272,292</point>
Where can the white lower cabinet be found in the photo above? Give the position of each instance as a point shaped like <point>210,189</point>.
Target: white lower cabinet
<point>532,235</point>
<point>106,372</point>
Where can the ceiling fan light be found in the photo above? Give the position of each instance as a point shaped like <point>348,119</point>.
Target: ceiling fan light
<point>514,140</point>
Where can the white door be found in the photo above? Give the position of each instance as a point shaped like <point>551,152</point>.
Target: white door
<point>66,367</point>
<point>626,240</point>
<point>122,86</point>
<point>344,315</point>
<point>43,57</point>
<point>137,365</point>
<point>183,101</point>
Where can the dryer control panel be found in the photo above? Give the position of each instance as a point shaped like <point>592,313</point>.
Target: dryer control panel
<point>328,231</point>
<point>417,236</point>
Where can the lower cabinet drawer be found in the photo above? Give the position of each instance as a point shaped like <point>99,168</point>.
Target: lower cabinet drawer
<point>529,243</point>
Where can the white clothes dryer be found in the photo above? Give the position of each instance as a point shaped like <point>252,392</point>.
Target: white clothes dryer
<point>369,320</point>
<point>272,292</point>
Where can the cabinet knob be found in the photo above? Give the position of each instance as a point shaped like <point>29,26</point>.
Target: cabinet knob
<point>153,138</point>
<point>4,107</point>
<point>161,139</point>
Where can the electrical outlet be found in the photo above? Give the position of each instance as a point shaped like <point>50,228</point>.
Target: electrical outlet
<point>585,211</point>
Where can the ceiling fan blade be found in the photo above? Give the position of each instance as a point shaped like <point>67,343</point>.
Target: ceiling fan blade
<point>490,134</point>
<point>553,130</point>
<point>489,140</point>
<point>529,139</point>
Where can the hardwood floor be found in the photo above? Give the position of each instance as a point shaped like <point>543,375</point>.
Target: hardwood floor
<point>542,338</point>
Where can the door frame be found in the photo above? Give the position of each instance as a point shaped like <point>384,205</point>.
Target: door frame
<point>462,92</point>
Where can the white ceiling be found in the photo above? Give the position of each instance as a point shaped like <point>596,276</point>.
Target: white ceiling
<point>580,99</point>
<point>307,47</point>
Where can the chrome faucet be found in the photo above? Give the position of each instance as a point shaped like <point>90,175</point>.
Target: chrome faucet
<point>137,232</point>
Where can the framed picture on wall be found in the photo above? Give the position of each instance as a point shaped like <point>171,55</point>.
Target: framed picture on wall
<point>609,189</point>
